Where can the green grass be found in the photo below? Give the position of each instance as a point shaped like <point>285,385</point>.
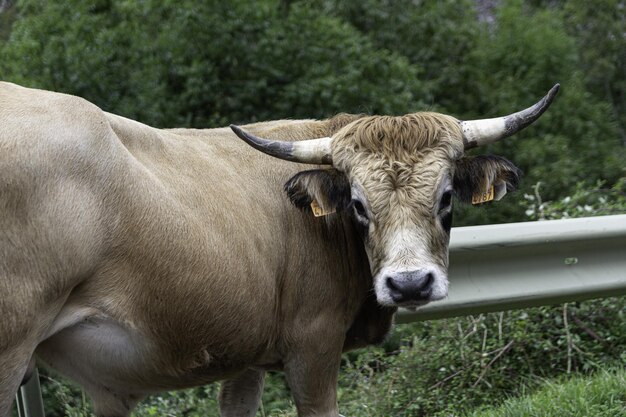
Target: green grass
<point>603,395</point>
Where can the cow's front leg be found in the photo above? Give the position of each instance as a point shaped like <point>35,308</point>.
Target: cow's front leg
<point>312,376</point>
<point>13,366</point>
<point>241,396</point>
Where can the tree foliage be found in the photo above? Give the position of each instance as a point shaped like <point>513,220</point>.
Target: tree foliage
<point>204,64</point>
<point>436,37</point>
<point>577,139</point>
<point>599,29</point>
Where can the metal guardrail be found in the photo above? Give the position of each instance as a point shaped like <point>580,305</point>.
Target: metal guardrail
<point>504,267</point>
<point>29,401</point>
<point>518,265</point>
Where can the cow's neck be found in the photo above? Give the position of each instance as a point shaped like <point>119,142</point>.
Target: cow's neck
<point>371,322</point>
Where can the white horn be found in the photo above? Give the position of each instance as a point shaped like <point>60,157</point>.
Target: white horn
<point>312,151</point>
<point>485,131</point>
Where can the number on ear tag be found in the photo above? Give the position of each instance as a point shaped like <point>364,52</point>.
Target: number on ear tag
<point>318,211</point>
<point>484,197</point>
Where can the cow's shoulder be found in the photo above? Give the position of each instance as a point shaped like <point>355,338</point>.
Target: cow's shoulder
<point>21,102</point>
<point>44,124</point>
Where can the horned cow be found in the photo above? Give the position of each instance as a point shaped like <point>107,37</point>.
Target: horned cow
<point>136,260</point>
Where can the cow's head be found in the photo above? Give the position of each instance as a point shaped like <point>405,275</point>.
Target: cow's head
<point>396,176</point>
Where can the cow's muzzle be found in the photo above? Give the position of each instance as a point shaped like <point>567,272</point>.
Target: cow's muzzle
<point>410,286</point>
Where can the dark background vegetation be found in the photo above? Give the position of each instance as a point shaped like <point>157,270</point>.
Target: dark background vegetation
<point>206,64</point>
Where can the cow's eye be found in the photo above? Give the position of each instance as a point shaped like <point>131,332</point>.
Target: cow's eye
<point>359,209</point>
<point>446,201</point>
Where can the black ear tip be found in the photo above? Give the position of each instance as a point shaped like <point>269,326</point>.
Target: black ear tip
<point>297,192</point>
<point>320,185</point>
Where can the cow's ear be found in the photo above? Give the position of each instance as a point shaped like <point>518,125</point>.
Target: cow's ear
<point>322,190</point>
<point>475,175</point>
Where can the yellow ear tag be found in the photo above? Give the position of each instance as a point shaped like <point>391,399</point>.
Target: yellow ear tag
<point>318,211</point>
<point>484,197</point>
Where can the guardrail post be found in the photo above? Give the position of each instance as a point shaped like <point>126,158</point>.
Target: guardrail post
<point>29,401</point>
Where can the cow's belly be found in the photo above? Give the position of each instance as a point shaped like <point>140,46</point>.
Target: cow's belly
<point>101,353</point>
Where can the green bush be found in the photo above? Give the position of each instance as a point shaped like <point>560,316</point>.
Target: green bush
<point>517,60</point>
<point>603,395</point>
<point>598,28</point>
<point>436,37</point>
<point>597,200</point>
<point>7,17</point>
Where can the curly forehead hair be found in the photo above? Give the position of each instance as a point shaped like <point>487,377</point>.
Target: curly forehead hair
<point>397,138</point>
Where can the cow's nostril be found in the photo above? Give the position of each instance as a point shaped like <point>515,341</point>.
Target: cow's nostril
<point>395,289</point>
<point>427,285</point>
<point>428,282</point>
<point>391,285</point>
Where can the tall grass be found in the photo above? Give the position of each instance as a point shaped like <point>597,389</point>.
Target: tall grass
<point>603,395</point>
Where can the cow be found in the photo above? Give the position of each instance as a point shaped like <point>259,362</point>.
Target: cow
<point>136,260</point>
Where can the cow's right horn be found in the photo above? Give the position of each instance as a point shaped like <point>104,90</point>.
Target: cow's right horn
<point>312,151</point>
<point>485,131</point>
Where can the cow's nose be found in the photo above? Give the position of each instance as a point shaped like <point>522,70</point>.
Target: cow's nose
<point>410,285</point>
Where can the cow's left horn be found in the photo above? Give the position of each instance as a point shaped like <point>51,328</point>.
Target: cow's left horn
<point>485,131</point>
<point>312,151</point>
